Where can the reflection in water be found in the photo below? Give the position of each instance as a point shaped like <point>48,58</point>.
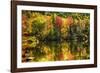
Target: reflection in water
<point>54,51</point>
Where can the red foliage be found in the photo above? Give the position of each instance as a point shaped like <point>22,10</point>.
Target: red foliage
<point>58,21</point>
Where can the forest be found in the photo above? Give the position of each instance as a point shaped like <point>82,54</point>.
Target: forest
<point>55,36</point>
